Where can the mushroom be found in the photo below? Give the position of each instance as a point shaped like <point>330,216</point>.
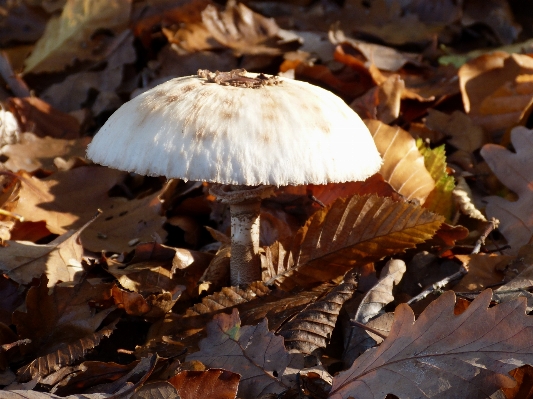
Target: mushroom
<point>246,132</point>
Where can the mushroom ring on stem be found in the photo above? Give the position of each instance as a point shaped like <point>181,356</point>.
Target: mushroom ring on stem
<point>239,129</point>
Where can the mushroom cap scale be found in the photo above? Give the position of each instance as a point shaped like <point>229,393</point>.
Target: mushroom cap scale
<point>289,133</point>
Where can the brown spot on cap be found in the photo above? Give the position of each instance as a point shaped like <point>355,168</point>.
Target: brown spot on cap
<point>187,88</point>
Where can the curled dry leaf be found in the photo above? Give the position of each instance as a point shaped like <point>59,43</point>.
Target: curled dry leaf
<point>312,327</point>
<point>228,297</point>
<point>496,89</point>
<point>65,355</point>
<point>58,200</point>
<point>463,199</point>
<point>403,165</point>
<point>61,316</point>
<point>212,383</point>
<point>465,354</point>
<point>351,230</point>
<point>462,132</point>
<point>381,102</point>
<point>124,223</point>
<point>156,390</point>
<point>241,29</point>
<point>253,352</point>
<point>515,170</point>
<point>59,260</point>
<point>32,153</point>
<point>358,340</point>
<point>71,36</point>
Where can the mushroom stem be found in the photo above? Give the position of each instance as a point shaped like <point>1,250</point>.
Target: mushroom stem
<point>245,207</point>
<point>245,262</point>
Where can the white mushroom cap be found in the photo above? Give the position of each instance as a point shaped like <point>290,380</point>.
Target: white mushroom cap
<point>289,133</point>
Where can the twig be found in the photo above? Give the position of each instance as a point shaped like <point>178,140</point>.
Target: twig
<point>438,285</point>
<point>6,347</point>
<point>15,83</point>
<point>365,327</point>
<point>492,225</point>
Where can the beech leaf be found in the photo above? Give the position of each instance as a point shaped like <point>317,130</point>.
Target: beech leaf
<point>312,327</point>
<point>444,355</point>
<point>351,230</point>
<point>403,165</point>
<point>253,352</point>
<point>212,383</point>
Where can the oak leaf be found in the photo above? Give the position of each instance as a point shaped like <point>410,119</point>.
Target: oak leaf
<point>515,170</point>
<point>253,352</point>
<point>443,355</point>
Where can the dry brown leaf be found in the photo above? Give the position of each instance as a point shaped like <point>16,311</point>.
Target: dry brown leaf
<point>149,306</point>
<point>156,390</point>
<point>32,153</point>
<point>482,271</point>
<point>388,20</point>
<point>515,170</point>
<point>496,89</point>
<point>72,35</point>
<point>381,102</point>
<point>465,354</point>
<point>462,132</point>
<point>242,30</point>
<point>65,355</point>
<point>84,376</point>
<point>59,260</point>
<point>228,297</point>
<point>351,230</point>
<point>212,383</point>
<point>51,319</point>
<point>58,200</point>
<point>463,199</point>
<point>124,223</point>
<point>383,57</point>
<point>40,118</point>
<point>380,295</point>
<point>251,351</point>
<point>312,327</point>
<point>403,165</point>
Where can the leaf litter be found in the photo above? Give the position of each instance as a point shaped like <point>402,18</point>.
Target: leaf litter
<point>137,303</point>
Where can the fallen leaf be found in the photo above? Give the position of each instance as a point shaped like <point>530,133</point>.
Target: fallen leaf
<point>440,200</point>
<point>242,30</point>
<point>58,200</point>
<point>53,318</point>
<point>380,295</point>
<point>403,165</point>
<point>32,153</point>
<point>212,383</point>
<point>482,272</point>
<point>352,230</point>
<point>464,353</point>
<point>70,36</point>
<point>251,351</point>
<point>496,89</point>
<point>312,327</point>
<point>65,355</point>
<point>59,260</point>
<point>514,169</point>
<point>124,223</point>
<point>459,127</point>
<point>157,390</point>
<point>40,118</point>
